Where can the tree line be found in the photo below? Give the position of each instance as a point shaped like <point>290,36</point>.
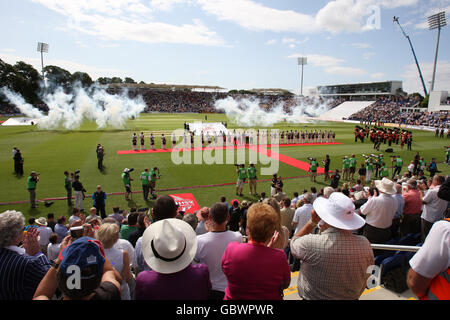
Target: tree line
<point>24,79</point>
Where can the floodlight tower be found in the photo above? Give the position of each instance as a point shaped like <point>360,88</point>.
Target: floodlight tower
<point>436,21</point>
<point>302,61</point>
<point>42,47</point>
<point>414,54</point>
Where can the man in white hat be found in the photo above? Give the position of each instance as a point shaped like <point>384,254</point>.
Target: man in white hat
<point>334,262</point>
<point>44,234</point>
<point>168,247</point>
<point>380,211</point>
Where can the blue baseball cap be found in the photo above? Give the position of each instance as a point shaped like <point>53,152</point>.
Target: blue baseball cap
<point>87,253</point>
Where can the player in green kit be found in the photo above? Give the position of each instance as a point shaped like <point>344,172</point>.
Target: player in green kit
<point>398,164</point>
<point>352,169</point>
<point>126,179</point>
<point>145,179</point>
<point>242,175</point>
<point>153,177</point>
<point>369,169</point>
<point>345,168</point>
<point>252,179</point>
<point>384,171</point>
<point>313,169</point>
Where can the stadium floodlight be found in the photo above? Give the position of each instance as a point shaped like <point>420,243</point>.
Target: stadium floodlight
<point>436,21</point>
<point>414,54</point>
<point>42,47</point>
<point>302,61</point>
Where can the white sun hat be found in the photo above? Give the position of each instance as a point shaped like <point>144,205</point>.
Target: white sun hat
<point>169,245</point>
<point>338,211</point>
<point>386,186</point>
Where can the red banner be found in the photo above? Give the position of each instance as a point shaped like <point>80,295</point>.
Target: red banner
<point>186,202</point>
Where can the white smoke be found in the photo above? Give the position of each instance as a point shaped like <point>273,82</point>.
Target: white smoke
<point>69,110</point>
<point>248,112</point>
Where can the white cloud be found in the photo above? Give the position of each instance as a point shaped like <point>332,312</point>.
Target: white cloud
<point>336,16</point>
<point>71,66</point>
<point>130,20</point>
<point>411,79</point>
<point>331,65</point>
<point>271,42</point>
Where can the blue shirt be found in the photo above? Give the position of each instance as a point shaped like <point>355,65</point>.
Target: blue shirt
<point>61,231</point>
<point>401,205</point>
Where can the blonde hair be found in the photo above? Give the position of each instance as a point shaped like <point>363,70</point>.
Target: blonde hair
<point>108,234</point>
<point>262,221</point>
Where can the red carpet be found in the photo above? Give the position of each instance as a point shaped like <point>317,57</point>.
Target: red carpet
<point>285,159</point>
<point>226,147</point>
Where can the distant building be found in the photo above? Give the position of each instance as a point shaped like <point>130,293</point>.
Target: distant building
<point>362,91</point>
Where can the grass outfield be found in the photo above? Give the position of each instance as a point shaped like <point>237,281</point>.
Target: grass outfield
<point>52,152</point>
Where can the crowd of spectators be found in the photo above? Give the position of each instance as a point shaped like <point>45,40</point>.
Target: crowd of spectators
<point>393,111</point>
<point>217,253</point>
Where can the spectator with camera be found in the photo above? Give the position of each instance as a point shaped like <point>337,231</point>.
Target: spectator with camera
<point>98,279</point>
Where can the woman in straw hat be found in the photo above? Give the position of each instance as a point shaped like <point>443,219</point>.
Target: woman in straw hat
<point>334,262</point>
<point>168,247</point>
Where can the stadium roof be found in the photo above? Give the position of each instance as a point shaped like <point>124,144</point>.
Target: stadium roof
<point>165,86</point>
<point>271,91</point>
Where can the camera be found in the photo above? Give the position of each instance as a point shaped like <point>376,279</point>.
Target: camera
<point>128,170</point>
<point>76,232</point>
<point>310,158</point>
<point>75,173</point>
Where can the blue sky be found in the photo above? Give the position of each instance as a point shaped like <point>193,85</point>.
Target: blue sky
<point>239,44</point>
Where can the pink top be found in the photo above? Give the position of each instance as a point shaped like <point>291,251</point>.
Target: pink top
<point>255,272</point>
<point>413,202</point>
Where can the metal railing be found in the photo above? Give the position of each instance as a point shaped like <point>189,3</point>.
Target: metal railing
<point>394,247</point>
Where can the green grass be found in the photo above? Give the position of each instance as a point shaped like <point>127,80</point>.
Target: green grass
<point>53,152</point>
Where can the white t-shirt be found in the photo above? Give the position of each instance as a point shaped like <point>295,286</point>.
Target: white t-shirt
<point>434,256</point>
<point>434,209</point>
<point>123,244</point>
<point>44,234</point>
<point>380,211</point>
<point>302,216</point>
<point>73,218</point>
<point>210,249</point>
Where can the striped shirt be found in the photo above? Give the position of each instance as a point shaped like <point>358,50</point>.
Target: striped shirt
<point>334,265</point>
<point>20,274</point>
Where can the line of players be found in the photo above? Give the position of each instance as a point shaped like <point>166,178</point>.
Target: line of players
<point>240,138</point>
<point>290,137</point>
<point>379,135</point>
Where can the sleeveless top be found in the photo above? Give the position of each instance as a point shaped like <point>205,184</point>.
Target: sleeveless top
<point>116,257</point>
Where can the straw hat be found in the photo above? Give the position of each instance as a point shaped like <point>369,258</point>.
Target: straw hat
<point>169,245</point>
<point>338,211</point>
<point>386,186</point>
<point>41,221</point>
